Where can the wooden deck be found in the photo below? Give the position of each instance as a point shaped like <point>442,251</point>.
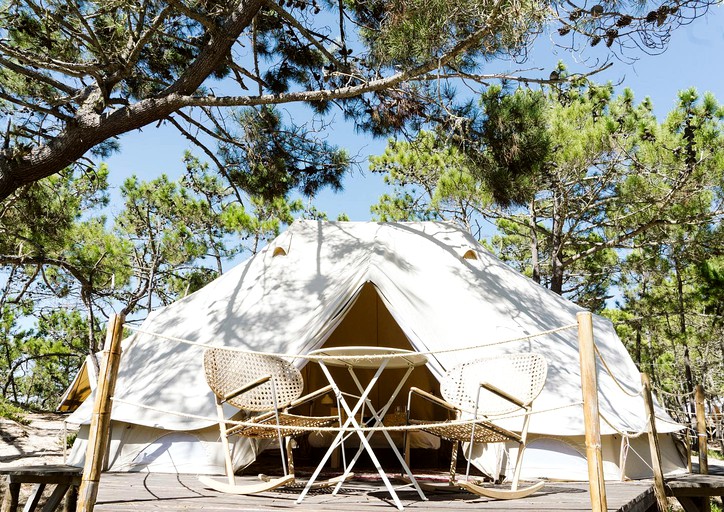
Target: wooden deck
<point>171,492</point>
<point>145,491</point>
<point>694,491</point>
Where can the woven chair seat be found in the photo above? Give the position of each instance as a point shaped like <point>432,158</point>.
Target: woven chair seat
<point>267,428</point>
<point>485,432</point>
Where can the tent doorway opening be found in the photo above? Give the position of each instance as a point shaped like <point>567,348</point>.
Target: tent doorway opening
<point>369,322</point>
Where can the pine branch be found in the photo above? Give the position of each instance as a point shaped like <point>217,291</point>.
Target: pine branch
<point>66,68</point>
<point>216,50</point>
<point>240,69</point>
<point>205,149</point>
<point>302,30</point>
<point>92,39</point>
<point>134,49</point>
<point>485,78</point>
<point>34,106</point>
<point>69,29</point>
<point>36,75</point>
<point>207,23</point>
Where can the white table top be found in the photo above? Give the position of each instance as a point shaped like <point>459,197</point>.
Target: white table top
<point>356,357</point>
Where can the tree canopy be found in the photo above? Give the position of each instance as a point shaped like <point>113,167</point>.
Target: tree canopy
<point>624,216</point>
<point>64,266</point>
<point>77,74</point>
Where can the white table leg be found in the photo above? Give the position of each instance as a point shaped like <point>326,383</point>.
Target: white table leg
<point>340,435</point>
<point>352,426</point>
<point>365,444</point>
<point>378,416</point>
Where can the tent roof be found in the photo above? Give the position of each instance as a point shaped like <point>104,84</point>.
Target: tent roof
<point>446,292</point>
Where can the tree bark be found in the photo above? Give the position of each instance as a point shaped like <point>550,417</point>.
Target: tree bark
<point>637,350</point>
<point>557,264</point>
<point>90,128</point>
<point>682,329</point>
<point>534,261</point>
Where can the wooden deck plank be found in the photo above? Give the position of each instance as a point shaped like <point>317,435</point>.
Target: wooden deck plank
<point>695,485</point>
<point>130,492</point>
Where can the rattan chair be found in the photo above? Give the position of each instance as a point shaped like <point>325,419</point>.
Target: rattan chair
<point>480,390</point>
<point>269,386</point>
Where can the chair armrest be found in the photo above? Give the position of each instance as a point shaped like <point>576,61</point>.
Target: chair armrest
<point>299,401</point>
<point>432,398</point>
<point>245,388</point>
<point>503,394</point>
<point>310,396</point>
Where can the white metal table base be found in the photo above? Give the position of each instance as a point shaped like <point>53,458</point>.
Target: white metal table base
<point>364,440</point>
<point>377,422</point>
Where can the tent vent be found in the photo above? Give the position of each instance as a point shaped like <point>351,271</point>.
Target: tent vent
<point>470,255</point>
<point>283,245</point>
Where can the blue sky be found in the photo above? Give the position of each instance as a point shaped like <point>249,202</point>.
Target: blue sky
<point>695,57</point>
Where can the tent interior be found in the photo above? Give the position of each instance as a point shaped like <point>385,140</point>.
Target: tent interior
<point>81,386</point>
<point>368,322</point>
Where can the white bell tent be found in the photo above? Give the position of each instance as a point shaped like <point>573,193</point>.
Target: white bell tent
<point>426,286</point>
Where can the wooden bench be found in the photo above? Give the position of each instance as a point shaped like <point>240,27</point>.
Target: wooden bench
<point>65,478</point>
<point>693,490</point>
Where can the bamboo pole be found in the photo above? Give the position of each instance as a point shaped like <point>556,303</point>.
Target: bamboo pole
<point>101,419</point>
<point>591,419</point>
<point>659,489</point>
<point>701,430</point>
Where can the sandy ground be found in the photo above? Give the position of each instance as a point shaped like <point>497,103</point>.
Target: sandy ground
<point>38,443</point>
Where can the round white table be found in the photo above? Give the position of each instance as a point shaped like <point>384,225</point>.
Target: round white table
<point>368,357</point>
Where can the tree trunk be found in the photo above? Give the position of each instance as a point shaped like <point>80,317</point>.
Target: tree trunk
<point>556,249</point>
<point>682,329</point>
<point>534,261</point>
<point>652,356</point>
<point>637,350</point>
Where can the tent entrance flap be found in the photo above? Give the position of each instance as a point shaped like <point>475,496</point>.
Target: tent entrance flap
<point>369,323</point>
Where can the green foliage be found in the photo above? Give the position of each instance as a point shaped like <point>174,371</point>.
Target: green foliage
<point>70,439</point>
<point>12,412</point>
<point>429,179</point>
<point>711,288</point>
<point>671,282</point>
<point>42,361</point>
<point>494,158</point>
<point>715,454</point>
<point>58,278</point>
<point>77,74</point>
<point>277,159</point>
<point>408,32</point>
<point>592,175</point>
<point>618,204</point>
<point>511,145</point>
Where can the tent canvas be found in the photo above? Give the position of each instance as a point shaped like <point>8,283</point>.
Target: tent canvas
<point>426,286</point>
<point>82,385</point>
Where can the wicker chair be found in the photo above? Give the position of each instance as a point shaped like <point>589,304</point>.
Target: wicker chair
<point>270,386</point>
<point>481,389</point>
